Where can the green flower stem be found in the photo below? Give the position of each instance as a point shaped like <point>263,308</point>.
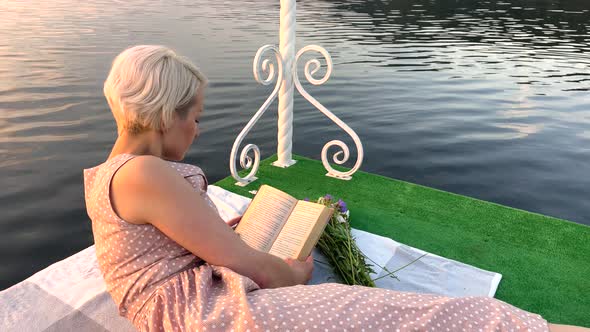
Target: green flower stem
<point>350,256</point>
<point>390,273</point>
<point>382,267</point>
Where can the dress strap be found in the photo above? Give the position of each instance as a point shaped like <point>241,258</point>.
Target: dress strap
<point>193,174</point>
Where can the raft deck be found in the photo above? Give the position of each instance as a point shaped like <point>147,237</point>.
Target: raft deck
<point>545,261</point>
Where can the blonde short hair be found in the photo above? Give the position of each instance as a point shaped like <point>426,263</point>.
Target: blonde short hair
<point>147,84</point>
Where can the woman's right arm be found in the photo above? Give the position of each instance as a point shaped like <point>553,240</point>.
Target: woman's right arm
<point>148,190</point>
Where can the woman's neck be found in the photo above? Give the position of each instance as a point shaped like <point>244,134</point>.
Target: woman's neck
<point>146,143</point>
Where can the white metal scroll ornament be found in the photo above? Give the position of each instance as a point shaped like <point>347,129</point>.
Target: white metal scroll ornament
<point>311,67</point>
<point>246,161</point>
<point>341,156</point>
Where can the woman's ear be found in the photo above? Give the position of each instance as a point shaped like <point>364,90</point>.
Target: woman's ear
<point>175,117</point>
<point>163,128</point>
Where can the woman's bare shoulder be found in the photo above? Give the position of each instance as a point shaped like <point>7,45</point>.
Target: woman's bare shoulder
<point>139,181</point>
<point>141,171</point>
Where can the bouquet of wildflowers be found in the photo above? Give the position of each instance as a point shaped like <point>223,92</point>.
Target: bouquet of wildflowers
<point>338,245</point>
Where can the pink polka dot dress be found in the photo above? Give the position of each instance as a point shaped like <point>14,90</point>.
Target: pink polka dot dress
<point>160,286</point>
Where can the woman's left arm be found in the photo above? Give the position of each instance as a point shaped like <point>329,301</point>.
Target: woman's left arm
<point>148,190</point>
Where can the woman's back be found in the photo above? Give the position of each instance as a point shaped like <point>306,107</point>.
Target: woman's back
<point>134,259</point>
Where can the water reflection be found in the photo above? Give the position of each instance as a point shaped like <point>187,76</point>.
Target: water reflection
<point>536,42</point>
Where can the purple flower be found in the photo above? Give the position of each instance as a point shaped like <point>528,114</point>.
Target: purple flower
<point>328,197</point>
<point>342,206</point>
<point>306,199</point>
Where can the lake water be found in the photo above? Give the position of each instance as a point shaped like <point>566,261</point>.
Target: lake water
<point>482,98</point>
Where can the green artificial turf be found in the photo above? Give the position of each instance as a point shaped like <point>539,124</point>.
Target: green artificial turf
<point>544,261</point>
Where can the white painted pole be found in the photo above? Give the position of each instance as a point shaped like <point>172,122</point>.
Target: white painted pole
<point>287,49</point>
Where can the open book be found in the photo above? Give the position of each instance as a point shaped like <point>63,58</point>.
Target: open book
<point>277,223</point>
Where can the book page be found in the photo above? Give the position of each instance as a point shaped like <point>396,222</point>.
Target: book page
<point>265,217</point>
<point>297,229</point>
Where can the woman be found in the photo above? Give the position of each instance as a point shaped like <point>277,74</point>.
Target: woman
<point>172,264</point>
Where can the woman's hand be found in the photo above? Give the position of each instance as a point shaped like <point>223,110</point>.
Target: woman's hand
<point>302,270</point>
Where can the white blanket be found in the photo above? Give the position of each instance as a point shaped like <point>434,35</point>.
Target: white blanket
<point>70,295</point>
<point>429,274</point>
